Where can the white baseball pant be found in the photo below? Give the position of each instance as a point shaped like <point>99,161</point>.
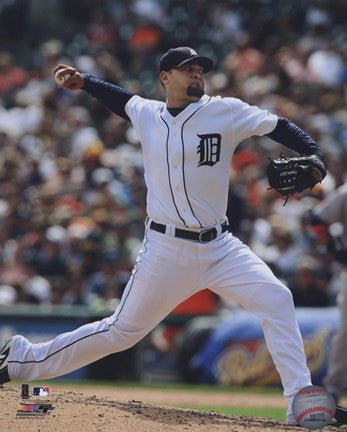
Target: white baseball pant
<point>169,270</point>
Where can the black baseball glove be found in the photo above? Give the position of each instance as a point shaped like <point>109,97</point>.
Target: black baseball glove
<point>293,175</point>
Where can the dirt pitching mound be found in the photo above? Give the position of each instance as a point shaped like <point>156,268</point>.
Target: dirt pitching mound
<point>79,412</point>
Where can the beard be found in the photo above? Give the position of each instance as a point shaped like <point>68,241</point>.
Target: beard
<point>195,90</point>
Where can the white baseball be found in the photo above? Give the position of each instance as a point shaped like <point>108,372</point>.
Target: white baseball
<point>61,79</point>
<point>313,407</point>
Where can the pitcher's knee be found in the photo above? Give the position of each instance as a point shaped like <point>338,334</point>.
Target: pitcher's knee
<point>279,301</point>
<point>127,338</point>
<point>286,295</point>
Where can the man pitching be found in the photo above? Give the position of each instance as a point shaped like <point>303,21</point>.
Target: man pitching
<point>188,143</point>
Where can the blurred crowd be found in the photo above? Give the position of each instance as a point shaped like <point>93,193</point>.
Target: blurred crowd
<point>72,193</point>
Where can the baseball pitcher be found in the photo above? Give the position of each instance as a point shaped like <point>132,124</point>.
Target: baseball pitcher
<point>188,142</point>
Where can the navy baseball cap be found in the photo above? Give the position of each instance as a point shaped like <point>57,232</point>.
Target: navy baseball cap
<point>177,57</point>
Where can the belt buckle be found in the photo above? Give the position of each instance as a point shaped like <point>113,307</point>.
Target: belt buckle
<point>212,234</point>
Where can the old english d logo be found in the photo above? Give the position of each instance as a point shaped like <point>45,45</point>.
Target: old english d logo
<point>209,149</point>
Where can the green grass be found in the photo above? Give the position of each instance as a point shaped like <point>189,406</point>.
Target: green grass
<point>267,412</point>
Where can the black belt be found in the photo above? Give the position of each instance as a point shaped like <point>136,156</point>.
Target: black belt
<point>204,236</point>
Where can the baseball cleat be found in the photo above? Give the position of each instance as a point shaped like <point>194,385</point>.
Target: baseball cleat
<point>4,377</point>
<point>341,415</point>
<point>291,421</point>
<point>290,418</point>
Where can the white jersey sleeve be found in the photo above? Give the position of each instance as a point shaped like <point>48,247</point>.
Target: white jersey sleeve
<point>138,109</point>
<point>249,120</point>
<point>134,107</point>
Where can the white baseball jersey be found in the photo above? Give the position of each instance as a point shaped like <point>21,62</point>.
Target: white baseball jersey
<point>187,158</point>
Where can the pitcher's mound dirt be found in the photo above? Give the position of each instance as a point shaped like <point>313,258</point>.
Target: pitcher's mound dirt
<point>85,412</point>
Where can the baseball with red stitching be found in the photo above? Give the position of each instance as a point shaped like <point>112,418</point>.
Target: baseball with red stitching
<point>313,407</point>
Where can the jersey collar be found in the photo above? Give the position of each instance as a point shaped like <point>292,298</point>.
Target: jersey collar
<point>187,112</point>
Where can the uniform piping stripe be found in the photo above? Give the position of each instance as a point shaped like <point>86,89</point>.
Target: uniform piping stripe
<point>95,333</point>
<point>168,170</point>
<point>184,179</point>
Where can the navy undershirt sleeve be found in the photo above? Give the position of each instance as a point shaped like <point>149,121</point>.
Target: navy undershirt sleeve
<point>291,136</point>
<point>110,95</point>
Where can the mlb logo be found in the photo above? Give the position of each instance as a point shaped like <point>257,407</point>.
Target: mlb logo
<point>41,391</point>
